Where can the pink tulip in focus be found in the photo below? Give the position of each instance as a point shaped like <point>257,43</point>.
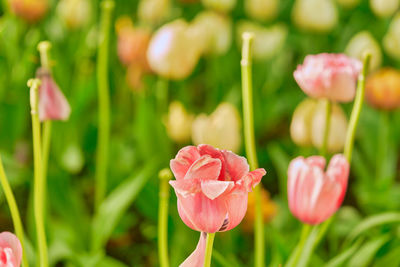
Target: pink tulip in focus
<point>331,76</point>
<point>10,250</point>
<point>212,186</point>
<point>52,103</point>
<point>313,194</point>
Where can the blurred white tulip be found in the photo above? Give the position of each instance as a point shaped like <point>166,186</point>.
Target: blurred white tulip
<point>261,9</point>
<point>384,8</point>
<point>391,41</point>
<point>315,15</point>
<point>153,12</point>
<point>178,123</point>
<point>220,5</point>
<point>74,13</point>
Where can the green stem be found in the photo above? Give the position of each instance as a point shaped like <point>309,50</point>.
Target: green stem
<point>294,259</point>
<point>39,181</point>
<point>46,146</point>
<point>164,175</point>
<point>383,145</point>
<point>209,247</point>
<point>247,91</point>
<point>103,135</point>
<point>325,140</point>
<point>19,231</point>
<point>43,48</point>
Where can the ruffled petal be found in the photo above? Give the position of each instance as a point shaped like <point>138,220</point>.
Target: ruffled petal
<point>252,179</point>
<point>205,168</point>
<point>185,187</point>
<point>214,188</point>
<point>183,160</point>
<point>196,259</point>
<point>236,166</point>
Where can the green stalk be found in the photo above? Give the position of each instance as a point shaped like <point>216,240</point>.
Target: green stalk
<point>209,247</point>
<point>295,257</point>
<point>383,145</point>
<point>103,135</point>
<point>19,231</point>
<point>39,181</point>
<point>164,175</point>
<point>247,94</point>
<point>325,140</point>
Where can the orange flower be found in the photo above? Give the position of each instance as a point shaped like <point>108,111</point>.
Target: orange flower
<point>29,10</point>
<point>383,89</point>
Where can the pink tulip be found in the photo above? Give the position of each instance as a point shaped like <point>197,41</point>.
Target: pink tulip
<point>313,194</point>
<point>10,250</point>
<point>331,76</point>
<point>212,186</point>
<point>52,103</point>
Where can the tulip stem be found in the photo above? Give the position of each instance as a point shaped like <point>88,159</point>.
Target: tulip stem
<point>164,175</point>
<point>39,181</point>
<point>325,140</point>
<point>19,231</point>
<point>293,260</point>
<point>247,94</point>
<point>209,247</point>
<point>103,134</point>
<point>383,145</point>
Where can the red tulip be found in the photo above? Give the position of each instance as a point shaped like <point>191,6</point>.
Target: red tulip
<point>10,250</point>
<point>313,194</point>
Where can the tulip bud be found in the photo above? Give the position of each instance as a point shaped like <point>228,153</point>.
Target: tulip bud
<point>221,129</point>
<point>153,12</point>
<point>383,89</point>
<point>10,250</point>
<point>74,13</point>
<point>384,8</point>
<point>362,43</point>
<point>300,129</point>
<point>73,159</point>
<point>178,123</point>
<point>315,15</point>
<point>172,52</point>
<point>348,3</point>
<point>29,10</point>
<point>215,31</point>
<point>391,41</point>
<point>220,5</point>
<point>261,9</point>
<point>267,40</point>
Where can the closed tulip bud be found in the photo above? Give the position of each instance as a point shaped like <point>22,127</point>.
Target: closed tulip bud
<point>362,43</point>
<point>267,40</point>
<point>348,3</point>
<point>315,15</point>
<point>220,5</point>
<point>314,194</point>
<point>153,12</point>
<point>10,250</point>
<point>391,41</point>
<point>215,31</point>
<point>300,127</point>
<point>261,9</point>
<point>74,13</point>
<point>384,8</point>
<point>383,89</point>
<point>221,129</point>
<point>178,123</point>
<point>172,52</point>
<point>29,10</point>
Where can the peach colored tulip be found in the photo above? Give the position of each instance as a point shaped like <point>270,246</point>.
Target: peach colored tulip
<point>29,10</point>
<point>313,194</point>
<point>10,250</point>
<point>331,76</point>
<point>383,89</point>
<point>52,103</point>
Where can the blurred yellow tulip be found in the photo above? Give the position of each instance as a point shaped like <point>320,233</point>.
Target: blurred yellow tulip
<point>153,12</point>
<point>348,3</point>
<point>384,8</point>
<point>302,118</point>
<point>74,13</point>
<point>315,15</point>
<point>391,41</point>
<point>383,89</point>
<point>178,123</point>
<point>220,5</point>
<point>262,10</point>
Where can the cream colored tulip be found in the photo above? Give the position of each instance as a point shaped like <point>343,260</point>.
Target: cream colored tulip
<point>220,5</point>
<point>178,123</point>
<point>348,3</point>
<point>315,15</point>
<point>391,41</point>
<point>301,121</point>
<point>364,42</point>
<point>74,13</point>
<point>153,12</point>
<point>221,129</point>
<point>384,8</point>
<point>267,40</point>
<point>261,9</point>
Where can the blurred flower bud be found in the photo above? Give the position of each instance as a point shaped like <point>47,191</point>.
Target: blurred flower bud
<point>134,75</point>
<point>172,52</point>
<point>384,8</point>
<point>215,31</point>
<point>220,5</point>
<point>153,12</point>
<point>221,129</point>
<point>362,43</point>
<point>29,10</point>
<point>301,121</point>
<point>178,123</point>
<point>261,9</point>
<point>72,159</point>
<point>383,89</point>
<point>337,127</point>
<point>315,15</point>
<point>267,40</point>
<point>391,41</point>
<point>74,13</point>
<point>348,3</point>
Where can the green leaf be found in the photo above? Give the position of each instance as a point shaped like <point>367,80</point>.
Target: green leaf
<point>280,160</point>
<point>340,259</point>
<point>367,253</point>
<point>390,259</point>
<point>113,207</point>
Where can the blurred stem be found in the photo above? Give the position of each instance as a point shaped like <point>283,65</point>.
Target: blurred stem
<point>383,144</point>
<point>162,94</point>
<point>164,175</point>
<point>294,259</point>
<point>39,181</point>
<point>247,91</point>
<point>103,134</point>
<point>209,247</point>
<point>19,231</point>
<point>325,140</point>
<point>43,48</point>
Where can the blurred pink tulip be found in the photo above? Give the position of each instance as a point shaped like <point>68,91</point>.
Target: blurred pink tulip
<point>52,103</point>
<point>331,76</point>
<point>313,194</point>
<point>10,250</point>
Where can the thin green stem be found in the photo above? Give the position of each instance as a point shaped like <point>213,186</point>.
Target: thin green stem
<point>247,94</point>
<point>39,181</point>
<point>19,230</point>
<point>383,145</point>
<point>164,175</point>
<point>103,135</point>
<point>209,247</point>
<point>294,259</point>
<point>325,140</point>
<point>43,48</point>
<point>46,146</point>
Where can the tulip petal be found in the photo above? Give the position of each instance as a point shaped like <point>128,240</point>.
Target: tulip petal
<point>236,202</point>
<point>9,240</point>
<point>205,168</point>
<point>183,160</point>
<point>214,188</point>
<point>252,179</point>
<point>236,166</point>
<point>185,187</point>
<point>216,154</point>
<point>196,259</point>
